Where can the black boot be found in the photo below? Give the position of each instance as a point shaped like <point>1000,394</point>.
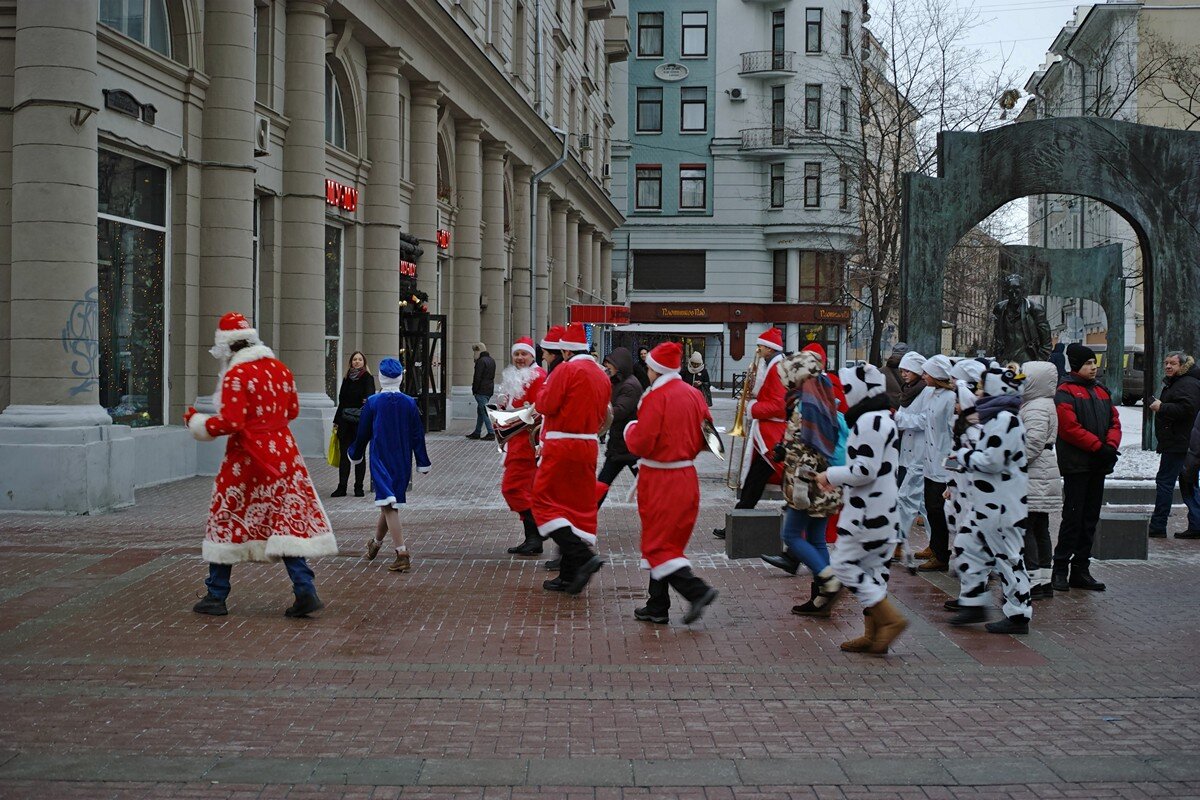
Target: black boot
<point>1081,578</point>
<point>305,604</point>
<point>1058,578</point>
<point>719,533</point>
<point>969,615</point>
<point>554,563</point>
<point>657,607</point>
<point>825,593</point>
<point>1018,626</point>
<point>698,593</point>
<point>579,562</point>
<point>784,561</point>
<point>339,492</point>
<point>211,605</point>
<point>532,546</point>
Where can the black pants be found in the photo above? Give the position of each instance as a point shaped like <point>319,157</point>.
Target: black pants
<point>609,471</point>
<point>935,520</point>
<point>683,581</point>
<point>574,552</point>
<point>756,481</point>
<point>346,435</point>
<point>1083,494</point>
<point>1038,550</point>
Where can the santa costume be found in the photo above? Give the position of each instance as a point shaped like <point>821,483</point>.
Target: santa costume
<point>868,528</point>
<point>574,406</point>
<point>264,506</point>
<point>519,387</point>
<point>667,437</point>
<point>391,425</point>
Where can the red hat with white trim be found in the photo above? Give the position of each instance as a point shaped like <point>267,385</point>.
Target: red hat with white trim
<point>233,327</point>
<point>665,358</point>
<point>771,338</point>
<point>553,337</point>
<point>574,339</point>
<point>524,345</point>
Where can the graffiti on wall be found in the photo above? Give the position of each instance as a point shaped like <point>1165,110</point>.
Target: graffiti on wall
<point>79,340</point>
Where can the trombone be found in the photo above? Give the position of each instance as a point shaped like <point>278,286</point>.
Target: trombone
<point>739,427</point>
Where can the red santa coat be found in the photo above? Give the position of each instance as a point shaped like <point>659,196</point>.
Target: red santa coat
<point>520,459</point>
<point>666,437</point>
<point>264,506</point>
<point>769,412</point>
<point>573,403</point>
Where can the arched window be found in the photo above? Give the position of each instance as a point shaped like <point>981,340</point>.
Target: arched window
<point>335,121</point>
<point>143,20</point>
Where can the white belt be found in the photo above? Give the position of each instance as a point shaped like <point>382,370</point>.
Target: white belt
<point>646,462</point>
<point>565,435</point>
<point>774,419</point>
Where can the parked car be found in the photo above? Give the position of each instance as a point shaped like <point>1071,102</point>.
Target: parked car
<point>1133,364</point>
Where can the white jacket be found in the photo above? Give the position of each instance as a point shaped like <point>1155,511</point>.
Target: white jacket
<point>1040,419</point>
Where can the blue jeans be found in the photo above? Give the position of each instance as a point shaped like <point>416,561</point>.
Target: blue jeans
<point>804,538</point>
<point>481,417</point>
<point>297,568</point>
<point>1170,466</point>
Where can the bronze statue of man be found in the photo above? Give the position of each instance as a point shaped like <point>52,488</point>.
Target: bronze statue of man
<point>1022,332</point>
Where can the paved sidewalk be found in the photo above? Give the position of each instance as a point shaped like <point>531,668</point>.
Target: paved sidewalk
<point>465,679</point>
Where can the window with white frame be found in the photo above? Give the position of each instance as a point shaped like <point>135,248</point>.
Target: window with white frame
<point>145,21</point>
<point>812,106</point>
<point>650,35</point>
<point>648,186</point>
<point>777,185</point>
<point>844,195</point>
<point>694,34</point>
<point>812,184</point>
<point>649,109</point>
<point>847,18</point>
<point>844,105</point>
<point>693,186</point>
<point>693,109</point>
<point>812,29</point>
<point>335,119</point>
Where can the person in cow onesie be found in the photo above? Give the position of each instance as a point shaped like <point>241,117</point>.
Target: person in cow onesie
<point>998,483</point>
<point>768,422</point>
<point>869,526</point>
<point>967,374</point>
<point>264,506</point>
<point>520,383</point>
<point>910,421</point>
<point>667,437</point>
<point>391,425</point>
<point>574,406</point>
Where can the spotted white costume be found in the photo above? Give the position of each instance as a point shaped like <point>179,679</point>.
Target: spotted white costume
<point>998,484</point>
<point>967,374</point>
<point>869,525</point>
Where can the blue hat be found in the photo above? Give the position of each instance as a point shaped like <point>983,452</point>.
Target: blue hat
<point>391,368</point>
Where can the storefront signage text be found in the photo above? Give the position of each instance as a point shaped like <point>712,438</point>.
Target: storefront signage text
<point>837,314</point>
<point>341,196</point>
<point>443,238</point>
<point>698,312</point>
<point>123,102</point>
<point>408,269</point>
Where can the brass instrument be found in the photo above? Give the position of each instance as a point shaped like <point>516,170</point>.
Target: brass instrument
<point>507,424</point>
<point>739,426</point>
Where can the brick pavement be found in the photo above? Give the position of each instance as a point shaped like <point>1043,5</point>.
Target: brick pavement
<point>464,679</point>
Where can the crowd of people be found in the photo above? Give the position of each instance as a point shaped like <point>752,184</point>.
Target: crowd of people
<point>980,452</point>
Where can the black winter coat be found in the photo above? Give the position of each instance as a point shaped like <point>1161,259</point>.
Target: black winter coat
<point>1180,403</point>
<point>1191,464</point>
<point>626,392</point>
<point>484,381</point>
<point>639,372</point>
<point>352,394</point>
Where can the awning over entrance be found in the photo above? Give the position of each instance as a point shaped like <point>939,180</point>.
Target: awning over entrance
<point>686,328</point>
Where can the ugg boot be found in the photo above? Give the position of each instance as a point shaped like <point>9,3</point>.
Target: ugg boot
<point>401,564</point>
<point>860,644</point>
<point>889,623</point>
<point>826,590</point>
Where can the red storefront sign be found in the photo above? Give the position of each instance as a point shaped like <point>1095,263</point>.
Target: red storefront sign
<point>341,196</point>
<point>604,315</point>
<point>408,269</point>
<point>443,238</point>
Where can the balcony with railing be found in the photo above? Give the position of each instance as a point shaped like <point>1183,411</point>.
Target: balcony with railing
<point>768,140</point>
<point>768,64</point>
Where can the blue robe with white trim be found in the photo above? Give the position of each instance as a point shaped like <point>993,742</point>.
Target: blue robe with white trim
<point>392,425</point>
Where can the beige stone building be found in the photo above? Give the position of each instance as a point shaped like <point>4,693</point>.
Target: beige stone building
<point>165,161</point>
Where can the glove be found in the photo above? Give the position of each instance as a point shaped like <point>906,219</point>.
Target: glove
<point>1107,455</point>
<point>778,453</point>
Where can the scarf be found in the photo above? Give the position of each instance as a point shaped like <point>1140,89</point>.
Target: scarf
<point>355,373</point>
<point>877,403</point>
<point>910,391</point>
<point>989,407</point>
<point>818,414</point>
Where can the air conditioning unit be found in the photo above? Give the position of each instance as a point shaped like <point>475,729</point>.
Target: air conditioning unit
<point>735,94</point>
<point>262,136</point>
<point>585,141</point>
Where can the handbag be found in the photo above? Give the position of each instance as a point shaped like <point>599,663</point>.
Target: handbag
<point>351,416</point>
<point>334,456</point>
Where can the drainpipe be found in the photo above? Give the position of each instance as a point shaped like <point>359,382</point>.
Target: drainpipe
<point>533,206</point>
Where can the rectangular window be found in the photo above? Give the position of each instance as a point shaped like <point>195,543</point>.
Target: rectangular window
<point>777,32</point>
<point>649,186</point>
<point>559,119</point>
<point>847,17</point>
<point>844,109</point>
<point>693,186</point>
<point>659,270</point>
<point>519,45</point>
<point>820,276</point>
<point>812,184</point>
<point>779,281</point>
<point>844,196</point>
<point>649,109</point>
<point>693,109</point>
<point>572,111</point>
<point>128,306</point>
<point>812,30</point>
<point>694,34</point>
<point>255,261</point>
<point>650,35</point>
<point>778,129</point>
<point>777,186</point>
<point>812,106</point>
<point>262,55</point>
<point>333,308</point>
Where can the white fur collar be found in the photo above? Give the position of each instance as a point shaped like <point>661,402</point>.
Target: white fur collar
<point>252,353</point>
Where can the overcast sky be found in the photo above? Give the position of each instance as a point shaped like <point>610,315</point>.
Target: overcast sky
<point>1020,30</point>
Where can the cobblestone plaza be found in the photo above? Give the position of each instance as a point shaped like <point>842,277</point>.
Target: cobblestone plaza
<point>465,679</point>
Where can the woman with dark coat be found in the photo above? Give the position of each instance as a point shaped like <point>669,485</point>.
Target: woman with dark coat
<point>639,369</point>
<point>698,376</point>
<point>357,386</point>
<point>626,393</point>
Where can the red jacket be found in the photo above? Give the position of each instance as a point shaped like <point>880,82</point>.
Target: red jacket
<point>1087,420</point>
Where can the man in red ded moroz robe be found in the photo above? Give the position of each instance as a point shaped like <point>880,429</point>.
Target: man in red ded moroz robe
<point>667,437</point>
<point>264,506</point>
<point>574,406</point>
<point>519,386</point>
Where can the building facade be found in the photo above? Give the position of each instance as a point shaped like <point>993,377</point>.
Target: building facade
<point>738,217</point>
<point>309,163</point>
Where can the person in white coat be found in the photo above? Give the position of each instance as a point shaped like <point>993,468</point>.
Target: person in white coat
<point>910,421</point>
<point>1040,419</point>
<point>997,494</point>
<point>939,417</point>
